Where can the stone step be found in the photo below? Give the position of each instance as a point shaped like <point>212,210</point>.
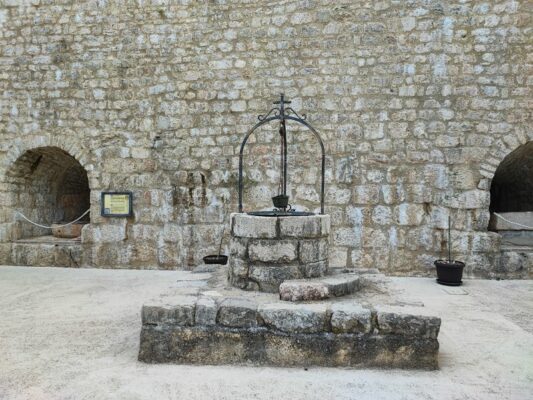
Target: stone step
<point>319,288</point>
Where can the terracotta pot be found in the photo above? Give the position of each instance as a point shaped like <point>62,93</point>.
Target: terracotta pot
<point>69,231</point>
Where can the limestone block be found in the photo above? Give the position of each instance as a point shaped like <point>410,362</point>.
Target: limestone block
<point>269,277</point>
<point>104,233</point>
<point>341,285</point>
<point>485,241</point>
<point>295,318</point>
<point>367,194</point>
<point>396,320</point>
<point>467,200</point>
<point>238,247</point>
<point>178,311</point>
<point>305,227</point>
<point>238,267</point>
<point>275,251</point>
<point>303,291</point>
<point>409,214</point>
<point>249,226</point>
<point>515,261</point>
<point>5,253</point>
<point>313,270</point>
<point>206,311</point>
<point>350,318</point>
<point>313,250</point>
<point>237,313</point>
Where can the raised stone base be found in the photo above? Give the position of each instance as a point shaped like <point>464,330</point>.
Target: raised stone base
<point>261,346</point>
<point>204,330</point>
<point>46,251</point>
<point>266,251</point>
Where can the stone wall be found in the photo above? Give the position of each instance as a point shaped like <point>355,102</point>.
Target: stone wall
<point>417,101</point>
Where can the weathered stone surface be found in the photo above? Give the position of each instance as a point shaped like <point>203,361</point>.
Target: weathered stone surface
<point>303,291</point>
<point>295,318</point>
<point>313,270</point>
<point>269,277</point>
<point>395,320</point>
<point>172,136</point>
<point>350,318</point>
<point>237,313</point>
<point>313,250</point>
<point>260,346</point>
<point>305,227</point>
<point>276,251</point>
<point>248,226</point>
<point>319,288</point>
<point>206,311</point>
<point>178,311</point>
<point>341,285</point>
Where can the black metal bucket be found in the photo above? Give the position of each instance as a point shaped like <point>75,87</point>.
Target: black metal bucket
<point>449,273</point>
<point>216,259</point>
<point>280,201</point>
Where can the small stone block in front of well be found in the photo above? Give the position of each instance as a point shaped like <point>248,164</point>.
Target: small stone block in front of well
<point>303,290</point>
<point>319,288</point>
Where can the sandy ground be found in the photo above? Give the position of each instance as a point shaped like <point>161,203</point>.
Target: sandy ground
<point>73,334</point>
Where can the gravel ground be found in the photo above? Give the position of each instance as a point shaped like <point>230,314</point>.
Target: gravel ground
<point>74,333</point>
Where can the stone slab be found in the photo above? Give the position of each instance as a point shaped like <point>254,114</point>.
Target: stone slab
<point>400,321</point>
<point>295,318</point>
<point>178,311</point>
<point>350,318</point>
<point>319,288</point>
<point>237,313</point>
<point>260,346</point>
<point>276,251</point>
<point>249,226</point>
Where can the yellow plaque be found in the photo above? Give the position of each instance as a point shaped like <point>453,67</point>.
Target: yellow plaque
<point>116,204</point>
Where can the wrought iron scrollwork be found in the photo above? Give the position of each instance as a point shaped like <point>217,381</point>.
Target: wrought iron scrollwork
<point>282,114</point>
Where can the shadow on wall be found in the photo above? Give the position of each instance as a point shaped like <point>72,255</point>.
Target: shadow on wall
<point>512,185</point>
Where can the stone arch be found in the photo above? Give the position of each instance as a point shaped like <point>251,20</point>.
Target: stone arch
<point>512,185</point>
<point>511,258</point>
<point>61,141</point>
<point>47,185</point>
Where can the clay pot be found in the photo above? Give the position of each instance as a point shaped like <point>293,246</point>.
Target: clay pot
<point>449,273</point>
<point>69,231</point>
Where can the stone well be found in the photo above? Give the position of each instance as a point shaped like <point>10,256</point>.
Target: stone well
<point>265,251</point>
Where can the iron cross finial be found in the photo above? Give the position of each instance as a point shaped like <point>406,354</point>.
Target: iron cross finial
<point>282,100</point>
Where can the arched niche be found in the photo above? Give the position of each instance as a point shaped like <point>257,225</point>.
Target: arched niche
<point>47,185</point>
<point>511,191</point>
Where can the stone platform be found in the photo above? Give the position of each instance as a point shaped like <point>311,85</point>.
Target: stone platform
<point>224,325</point>
<point>237,331</point>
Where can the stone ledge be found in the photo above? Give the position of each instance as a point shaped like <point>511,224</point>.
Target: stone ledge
<point>260,346</point>
<point>340,317</point>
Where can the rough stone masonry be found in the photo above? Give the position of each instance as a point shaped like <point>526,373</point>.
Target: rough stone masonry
<point>418,102</point>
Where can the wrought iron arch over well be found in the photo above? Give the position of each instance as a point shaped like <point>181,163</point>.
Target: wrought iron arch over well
<point>282,113</point>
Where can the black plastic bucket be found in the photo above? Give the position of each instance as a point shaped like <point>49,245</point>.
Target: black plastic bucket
<point>216,259</point>
<point>280,201</point>
<point>449,273</point>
